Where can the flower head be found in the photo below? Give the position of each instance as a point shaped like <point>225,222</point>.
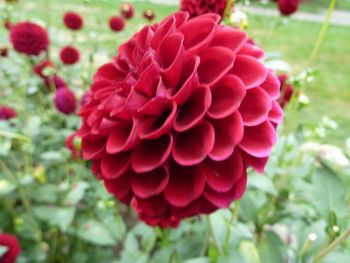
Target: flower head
<point>29,38</point>
<point>56,81</point>
<point>69,55</point>
<point>199,7</point>
<point>287,90</point>
<point>40,68</point>
<point>7,113</point>
<point>127,10</point>
<point>13,248</point>
<point>73,20</point>
<point>65,101</point>
<point>149,15</point>
<point>177,117</point>
<point>116,23</point>
<point>69,142</point>
<point>288,7</point>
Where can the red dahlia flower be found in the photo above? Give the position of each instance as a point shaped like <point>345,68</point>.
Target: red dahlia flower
<point>69,142</point>
<point>69,55</point>
<point>13,248</point>
<point>56,81</point>
<point>199,7</point>
<point>177,117</point>
<point>116,23</point>
<point>4,51</point>
<point>29,38</point>
<point>65,101</point>
<point>40,68</point>
<point>73,20</point>
<point>7,113</point>
<point>288,7</point>
<point>127,10</point>
<point>149,15</point>
<point>287,90</point>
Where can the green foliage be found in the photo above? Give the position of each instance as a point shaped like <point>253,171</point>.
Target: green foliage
<point>62,213</point>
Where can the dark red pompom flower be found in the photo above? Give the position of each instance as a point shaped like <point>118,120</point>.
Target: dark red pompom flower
<point>7,113</point>
<point>65,100</point>
<point>127,10</point>
<point>287,90</point>
<point>149,15</point>
<point>29,38</point>
<point>116,23</point>
<point>69,55</point>
<point>199,7</point>
<point>175,120</point>
<point>13,248</point>
<point>73,20</point>
<point>288,7</point>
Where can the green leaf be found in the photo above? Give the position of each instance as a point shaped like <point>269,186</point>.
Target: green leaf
<point>6,187</point>
<point>329,193</point>
<point>3,250</point>
<point>45,193</point>
<point>116,226</point>
<point>77,193</point>
<point>58,216</point>
<point>262,183</point>
<point>270,248</point>
<point>95,232</point>
<point>5,146</point>
<point>174,258</point>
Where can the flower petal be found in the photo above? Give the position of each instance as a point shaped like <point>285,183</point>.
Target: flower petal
<point>149,184</point>
<point>227,95</point>
<point>276,113</point>
<point>194,109</point>
<point>192,147</point>
<point>249,70</point>
<point>119,186</point>
<point>215,63</point>
<point>153,206</point>
<point>150,154</point>
<point>230,38</point>
<point>228,134</point>
<point>272,85</point>
<point>185,185</point>
<point>255,107</point>
<point>258,140</point>
<point>112,166</point>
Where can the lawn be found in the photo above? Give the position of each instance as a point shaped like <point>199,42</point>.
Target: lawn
<point>329,94</point>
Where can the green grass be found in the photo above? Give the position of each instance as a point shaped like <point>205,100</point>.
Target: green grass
<point>329,94</point>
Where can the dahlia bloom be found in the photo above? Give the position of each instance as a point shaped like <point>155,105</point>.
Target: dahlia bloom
<point>116,23</point>
<point>69,142</point>
<point>287,90</point>
<point>69,55</point>
<point>13,246</point>
<point>40,68</point>
<point>199,7</point>
<point>149,15</point>
<point>73,20</point>
<point>127,10</point>
<point>29,38</point>
<point>288,7</point>
<point>56,81</point>
<point>175,119</point>
<point>65,101</point>
<point>4,51</point>
<point>7,113</point>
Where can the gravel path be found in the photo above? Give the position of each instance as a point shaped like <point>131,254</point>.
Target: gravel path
<point>338,17</point>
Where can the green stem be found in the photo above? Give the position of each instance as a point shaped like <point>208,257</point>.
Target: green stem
<point>228,9</point>
<point>322,32</point>
<point>324,252</point>
<point>234,212</point>
<point>213,235</point>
